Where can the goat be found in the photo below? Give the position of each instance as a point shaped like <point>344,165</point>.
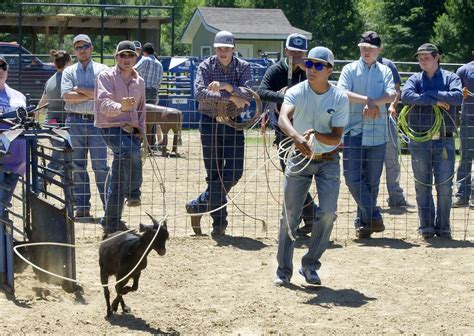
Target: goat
<point>168,119</point>
<point>118,256</point>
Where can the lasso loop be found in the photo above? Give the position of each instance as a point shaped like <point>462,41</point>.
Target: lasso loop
<point>223,118</point>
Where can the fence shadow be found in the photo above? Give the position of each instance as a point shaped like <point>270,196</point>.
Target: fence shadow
<point>327,297</point>
<point>138,324</point>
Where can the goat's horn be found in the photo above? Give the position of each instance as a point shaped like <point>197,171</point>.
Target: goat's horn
<point>155,222</point>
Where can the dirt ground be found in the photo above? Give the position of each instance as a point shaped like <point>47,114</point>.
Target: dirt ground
<point>391,284</point>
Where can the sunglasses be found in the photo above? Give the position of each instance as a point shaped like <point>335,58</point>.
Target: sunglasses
<point>82,47</point>
<point>318,66</point>
<point>3,66</point>
<point>127,55</point>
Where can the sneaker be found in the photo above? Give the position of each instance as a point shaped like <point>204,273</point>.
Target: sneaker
<point>134,202</point>
<point>471,203</point>
<point>108,229</point>
<point>460,203</point>
<point>402,204</point>
<point>310,276</point>
<point>83,213</point>
<point>195,220</point>
<point>281,280</point>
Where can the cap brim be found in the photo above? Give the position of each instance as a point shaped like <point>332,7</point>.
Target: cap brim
<point>296,49</point>
<point>368,45</point>
<point>126,50</point>
<point>423,52</point>
<point>217,45</point>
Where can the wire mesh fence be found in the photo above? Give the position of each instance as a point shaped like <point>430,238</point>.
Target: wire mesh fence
<point>255,202</point>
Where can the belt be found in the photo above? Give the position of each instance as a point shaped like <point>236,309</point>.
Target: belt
<point>83,116</point>
<point>325,156</point>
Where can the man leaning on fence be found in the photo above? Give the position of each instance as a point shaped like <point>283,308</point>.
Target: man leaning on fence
<point>464,181</point>
<point>77,90</point>
<point>319,111</point>
<point>218,82</point>
<point>274,84</point>
<point>120,115</point>
<point>434,94</point>
<point>369,86</point>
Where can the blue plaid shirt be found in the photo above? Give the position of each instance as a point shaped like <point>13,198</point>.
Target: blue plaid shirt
<point>236,73</point>
<point>151,70</point>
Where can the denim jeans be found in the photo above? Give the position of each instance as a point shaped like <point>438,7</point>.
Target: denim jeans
<point>125,175</point>
<point>392,168</point>
<point>465,187</point>
<point>8,183</point>
<point>310,210</point>
<point>434,158</point>
<point>223,153</point>
<point>295,189</point>
<point>362,170</point>
<point>85,137</point>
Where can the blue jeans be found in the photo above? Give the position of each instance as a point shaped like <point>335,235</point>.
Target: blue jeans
<point>223,153</point>
<point>430,159</point>
<point>464,183</point>
<point>86,137</point>
<point>295,189</point>
<point>125,175</point>
<point>8,183</point>
<point>362,170</point>
<point>392,168</point>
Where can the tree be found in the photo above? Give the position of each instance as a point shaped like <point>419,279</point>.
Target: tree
<point>454,31</point>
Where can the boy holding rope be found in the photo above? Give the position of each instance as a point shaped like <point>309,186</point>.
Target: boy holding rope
<point>434,93</point>
<point>323,108</point>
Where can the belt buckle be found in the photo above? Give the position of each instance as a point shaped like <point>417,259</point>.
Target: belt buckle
<point>84,116</point>
<point>317,156</point>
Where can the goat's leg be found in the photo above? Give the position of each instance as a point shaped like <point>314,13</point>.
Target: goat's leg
<point>119,290</point>
<point>104,279</point>
<point>164,144</point>
<point>175,142</point>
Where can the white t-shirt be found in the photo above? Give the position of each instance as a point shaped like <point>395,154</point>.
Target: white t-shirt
<point>320,112</point>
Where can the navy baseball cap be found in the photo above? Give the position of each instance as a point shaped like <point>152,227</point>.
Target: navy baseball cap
<point>297,42</point>
<point>370,39</point>
<point>125,46</point>
<point>321,54</point>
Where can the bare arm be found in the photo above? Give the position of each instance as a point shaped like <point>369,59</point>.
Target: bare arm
<point>73,97</point>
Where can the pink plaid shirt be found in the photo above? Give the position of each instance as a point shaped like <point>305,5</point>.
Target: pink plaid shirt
<point>109,90</point>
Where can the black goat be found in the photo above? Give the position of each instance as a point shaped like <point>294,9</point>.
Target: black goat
<point>118,256</point>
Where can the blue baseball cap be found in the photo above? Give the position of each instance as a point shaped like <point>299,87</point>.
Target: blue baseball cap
<point>297,42</point>
<point>321,54</point>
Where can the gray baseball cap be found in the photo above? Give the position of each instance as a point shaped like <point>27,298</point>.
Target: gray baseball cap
<point>321,54</point>
<point>224,39</point>
<point>81,37</point>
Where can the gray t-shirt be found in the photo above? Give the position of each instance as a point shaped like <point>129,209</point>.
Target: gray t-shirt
<point>52,91</point>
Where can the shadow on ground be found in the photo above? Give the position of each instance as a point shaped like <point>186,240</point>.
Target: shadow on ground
<point>138,324</point>
<point>328,297</point>
<point>243,243</point>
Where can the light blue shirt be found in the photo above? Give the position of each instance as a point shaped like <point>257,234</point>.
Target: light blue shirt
<point>320,112</point>
<point>372,82</point>
<point>76,75</point>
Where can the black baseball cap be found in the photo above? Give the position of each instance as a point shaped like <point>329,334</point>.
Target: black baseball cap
<point>370,39</point>
<point>148,48</point>
<point>125,46</point>
<point>427,48</point>
<point>2,59</point>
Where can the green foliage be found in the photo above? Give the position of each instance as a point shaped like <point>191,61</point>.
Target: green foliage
<point>454,31</point>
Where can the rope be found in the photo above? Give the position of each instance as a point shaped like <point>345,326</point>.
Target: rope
<point>420,136</point>
<point>223,118</point>
<point>15,249</point>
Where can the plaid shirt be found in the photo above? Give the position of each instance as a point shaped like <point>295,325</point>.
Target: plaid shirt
<point>237,74</point>
<point>151,70</point>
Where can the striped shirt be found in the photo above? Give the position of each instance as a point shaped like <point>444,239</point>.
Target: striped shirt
<point>237,73</point>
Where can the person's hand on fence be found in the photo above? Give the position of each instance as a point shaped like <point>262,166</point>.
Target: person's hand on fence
<point>127,103</point>
<point>371,110</point>
<point>216,86</point>
<point>443,105</point>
